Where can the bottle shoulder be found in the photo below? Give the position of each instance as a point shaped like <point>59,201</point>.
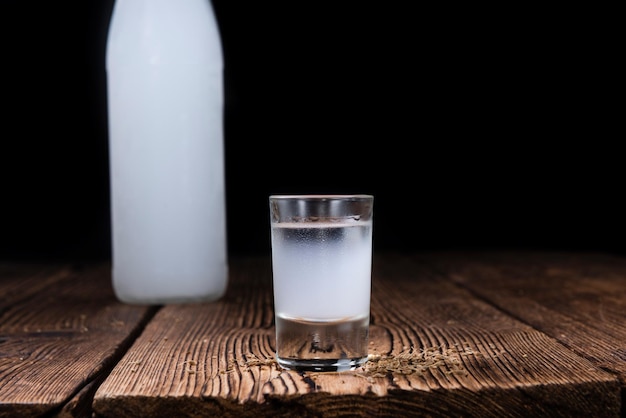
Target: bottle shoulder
<point>164,31</point>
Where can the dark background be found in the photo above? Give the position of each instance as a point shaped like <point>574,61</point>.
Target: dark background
<point>475,128</point>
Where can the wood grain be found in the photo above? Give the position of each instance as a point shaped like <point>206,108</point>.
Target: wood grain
<point>60,329</point>
<point>579,299</point>
<point>436,350</point>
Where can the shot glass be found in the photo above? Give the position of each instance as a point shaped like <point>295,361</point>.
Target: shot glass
<point>322,270</point>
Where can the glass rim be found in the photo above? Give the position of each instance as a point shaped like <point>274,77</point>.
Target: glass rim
<point>321,197</point>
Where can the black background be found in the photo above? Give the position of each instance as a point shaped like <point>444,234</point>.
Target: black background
<point>475,128</point>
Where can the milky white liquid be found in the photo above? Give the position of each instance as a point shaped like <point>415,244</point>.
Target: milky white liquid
<point>322,271</point>
<point>165,102</point>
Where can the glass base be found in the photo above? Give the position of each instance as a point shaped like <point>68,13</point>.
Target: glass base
<point>321,365</point>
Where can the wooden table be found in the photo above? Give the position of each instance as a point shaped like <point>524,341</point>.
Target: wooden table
<point>482,334</point>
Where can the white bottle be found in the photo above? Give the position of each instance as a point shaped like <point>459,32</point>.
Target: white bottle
<point>165,102</point>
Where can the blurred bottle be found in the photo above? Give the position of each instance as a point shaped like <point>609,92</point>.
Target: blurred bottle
<point>165,101</point>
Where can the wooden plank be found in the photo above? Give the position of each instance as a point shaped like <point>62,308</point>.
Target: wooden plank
<point>18,281</point>
<point>577,298</point>
<point>60,330</point>
<point>435,351</point>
